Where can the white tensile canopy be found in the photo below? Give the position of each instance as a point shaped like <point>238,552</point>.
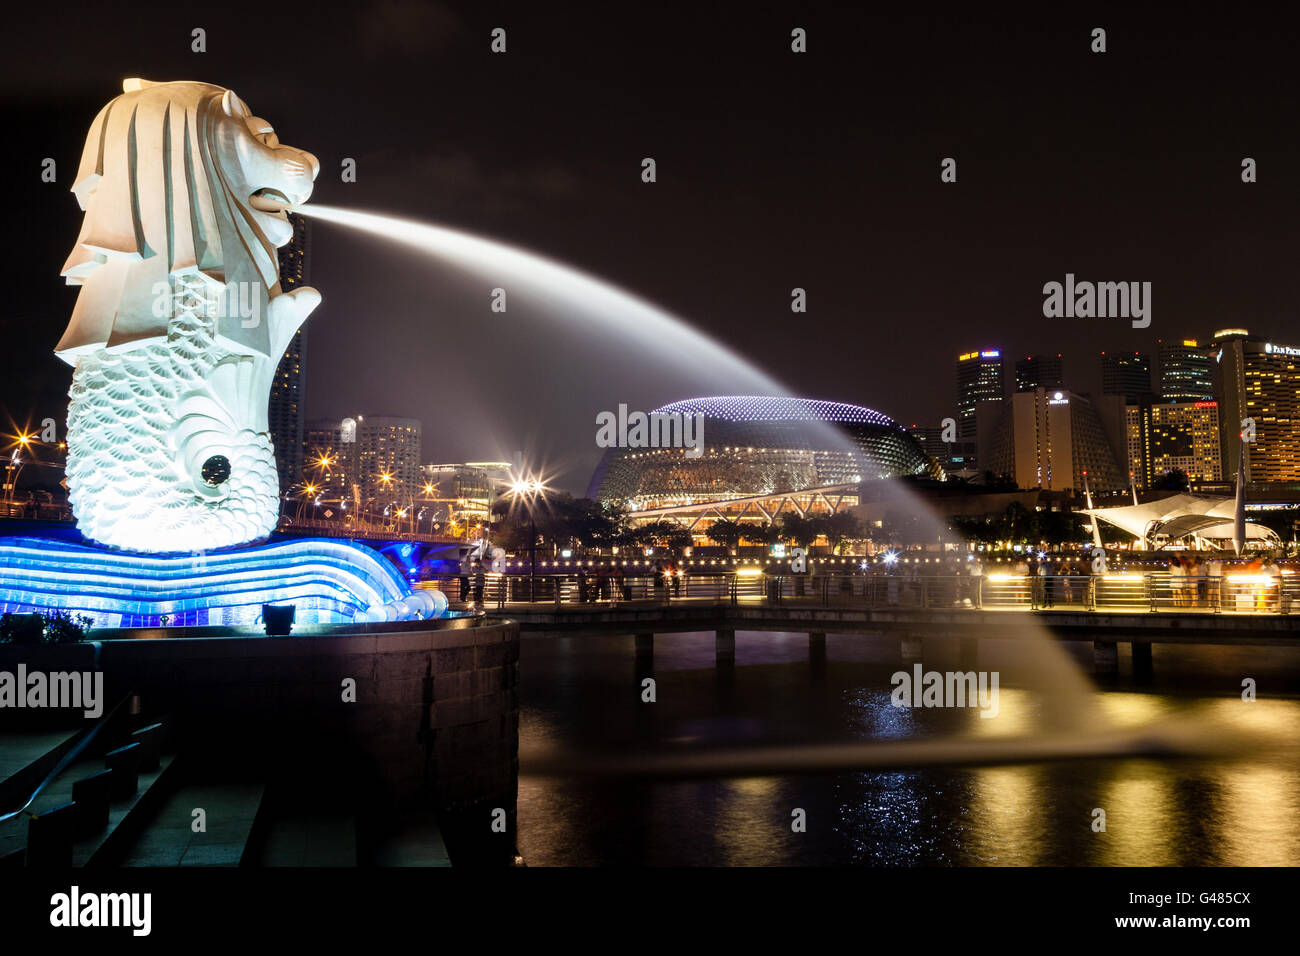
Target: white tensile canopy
<point>1181,516</point>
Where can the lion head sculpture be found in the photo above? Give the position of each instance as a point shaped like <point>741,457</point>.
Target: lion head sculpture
<point>180,320</point>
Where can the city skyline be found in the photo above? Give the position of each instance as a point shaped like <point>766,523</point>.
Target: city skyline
<point>445,437</point>
<point>883,248</point>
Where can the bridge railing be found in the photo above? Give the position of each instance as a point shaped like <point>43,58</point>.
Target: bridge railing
<point>393,531</point>
<point>1126,591</point>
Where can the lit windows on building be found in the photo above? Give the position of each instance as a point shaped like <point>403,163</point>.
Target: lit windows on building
<point>1163,437</point>
<point>1186,371</point>
<point>1260,380</point>
<point>288,387</point>
<point>1039,371</point>
<point>1127,374</point>
<point>980,378</point>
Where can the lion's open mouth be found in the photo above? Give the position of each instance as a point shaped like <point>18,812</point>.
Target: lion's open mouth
<point>270,200</point>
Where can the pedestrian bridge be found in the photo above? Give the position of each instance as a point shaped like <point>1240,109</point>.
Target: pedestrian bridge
<point>1140,610</point>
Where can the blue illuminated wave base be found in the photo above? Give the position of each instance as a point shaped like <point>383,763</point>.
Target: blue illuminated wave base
<point>328,581</point>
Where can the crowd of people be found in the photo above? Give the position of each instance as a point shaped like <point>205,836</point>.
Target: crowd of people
<point>603,584</point>
<point>1193,581</point>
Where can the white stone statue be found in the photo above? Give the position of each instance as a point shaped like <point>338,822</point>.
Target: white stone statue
<point>180,321</point>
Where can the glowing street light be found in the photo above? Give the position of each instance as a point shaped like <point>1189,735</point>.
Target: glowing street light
<point>528,490</point>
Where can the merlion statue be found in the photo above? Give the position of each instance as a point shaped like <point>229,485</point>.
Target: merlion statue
<point>180,321</point>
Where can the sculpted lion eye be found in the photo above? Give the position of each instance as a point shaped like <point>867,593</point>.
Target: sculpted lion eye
<point>263,130</point>
<point>216,470</point>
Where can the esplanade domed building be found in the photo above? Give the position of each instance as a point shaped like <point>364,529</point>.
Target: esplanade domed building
<point>758,454</point>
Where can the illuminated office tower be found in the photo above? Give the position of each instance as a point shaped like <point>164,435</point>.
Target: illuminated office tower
<point>457,498</point>
<point>330,460</point>
<point>1127,374</point>
<point>284,410</point>
<point>1039,371</point>
<point>1186,371</point>
<point>980,378</point>
<point>388,459</point>
<point>1174,435</point>
<point>1048,438</point>
<point>1260,381</point>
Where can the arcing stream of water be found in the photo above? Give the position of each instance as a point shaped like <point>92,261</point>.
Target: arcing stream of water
<point>1070,710</point>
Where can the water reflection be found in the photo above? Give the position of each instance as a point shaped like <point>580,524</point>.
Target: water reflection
<point>581,694</point>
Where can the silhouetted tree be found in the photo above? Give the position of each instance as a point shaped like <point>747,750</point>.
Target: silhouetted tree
<point>799,529</point>
<point>760,533</point>
<point>1000,482</point>
<point>1017,524</point>
<point>839,527</point>
<point>1060,527</point>
<point>1173,480</point>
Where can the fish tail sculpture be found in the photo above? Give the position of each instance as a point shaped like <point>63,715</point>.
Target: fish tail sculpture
<point>180,321</point>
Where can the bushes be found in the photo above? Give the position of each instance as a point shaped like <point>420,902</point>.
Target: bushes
<point>53,627</point>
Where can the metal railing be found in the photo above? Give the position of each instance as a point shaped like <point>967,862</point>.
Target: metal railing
<point>1152,591</point>
<point>398,530</point>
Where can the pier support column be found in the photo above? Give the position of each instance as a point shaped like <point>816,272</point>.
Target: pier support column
<point>1143,666</point>
<point>969,652</point>
<point>911,647</point>
<point>645,656</point>
<point>817,656</point>
<point>1105,658</point>
<point>726,646</point>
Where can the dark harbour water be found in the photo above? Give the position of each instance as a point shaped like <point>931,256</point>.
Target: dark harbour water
<point>581,693</point>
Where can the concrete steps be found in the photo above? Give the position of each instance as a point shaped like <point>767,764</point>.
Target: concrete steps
<point>230,811</point>
<point>92,810</point>
<point>153,826</point>
<point>27,757</point>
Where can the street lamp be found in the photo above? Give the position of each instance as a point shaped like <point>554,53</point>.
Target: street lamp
<point>14,468</point>
<point>308,491</point>
<point>528,491</point>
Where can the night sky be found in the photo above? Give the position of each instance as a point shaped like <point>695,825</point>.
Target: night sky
<point>775,170</point>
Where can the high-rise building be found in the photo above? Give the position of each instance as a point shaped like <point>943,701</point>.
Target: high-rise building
<point>285,408</point>
<point>330,460</point>
<point>1259,381</point>
<point>1127,374</point>
<point>1178,435</point>
<point>930,438</point>
<point>955,457</point>
<point>1039,371</point>
<point>456,499</point>
<point>1186,371</point>
<point>1048,438</point>
<point>980,378</point>
<point>388,458</point>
